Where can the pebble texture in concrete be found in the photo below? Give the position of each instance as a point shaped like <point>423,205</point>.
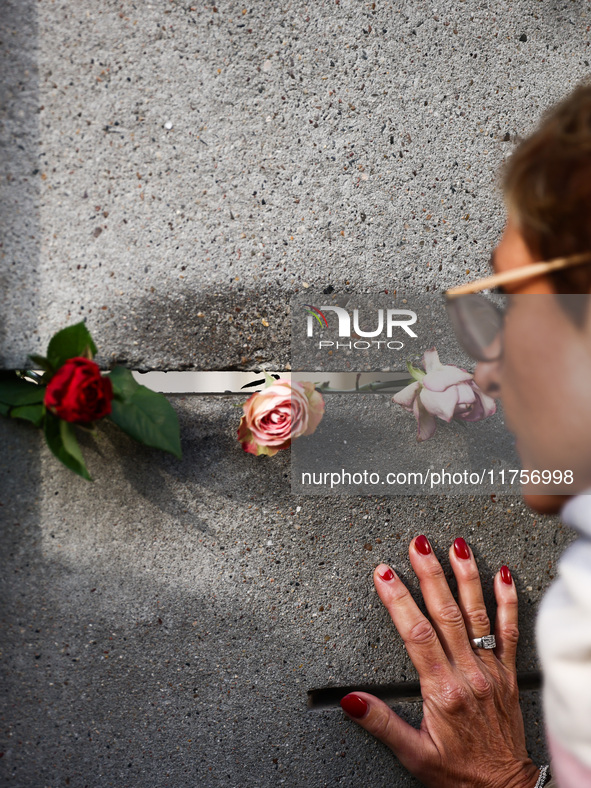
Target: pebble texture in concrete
<point>162,625</point>
<point>166,164</point>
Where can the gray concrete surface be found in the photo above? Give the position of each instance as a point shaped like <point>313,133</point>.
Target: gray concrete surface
<point>165,164</point>
<point>163,625</point>
<point>175,173</point>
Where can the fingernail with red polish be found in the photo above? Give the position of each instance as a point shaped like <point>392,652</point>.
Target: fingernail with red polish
<point>387,574</point>
<point>461,548</point>
<point>506,575</point>
<point>422,545</point>
<point>354,706</point>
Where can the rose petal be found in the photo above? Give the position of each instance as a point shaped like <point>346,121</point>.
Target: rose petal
<point>444,377</point>
<point>440,403</point>
<point>245,437</point>
<point>270,451</point>
<point>407,396</point>
<point>484,406</point>
<point>78,393</point>
<point>277,414</point>
<point>467,398</point>
<point>299,417</point>
<point>431,362</point>
<point>426,422</point>
<point>250,448</point>
<point>488,403</point>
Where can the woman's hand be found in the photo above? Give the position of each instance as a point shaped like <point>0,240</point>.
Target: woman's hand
<point>472,732</point>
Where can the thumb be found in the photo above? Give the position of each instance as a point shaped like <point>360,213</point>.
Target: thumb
<point>371,713</point>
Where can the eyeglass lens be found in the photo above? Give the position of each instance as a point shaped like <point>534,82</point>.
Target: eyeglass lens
<point>477,324</point>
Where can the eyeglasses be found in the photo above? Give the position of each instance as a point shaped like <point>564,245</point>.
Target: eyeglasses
<point>478,326</point>
<point>477,322</point>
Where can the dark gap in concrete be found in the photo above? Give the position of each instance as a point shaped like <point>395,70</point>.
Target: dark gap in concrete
<point>398,692</point>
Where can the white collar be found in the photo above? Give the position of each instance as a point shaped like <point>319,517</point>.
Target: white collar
<point>576,512</point>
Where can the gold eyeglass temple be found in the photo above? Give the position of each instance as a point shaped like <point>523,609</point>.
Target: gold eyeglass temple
<point>518,274</point>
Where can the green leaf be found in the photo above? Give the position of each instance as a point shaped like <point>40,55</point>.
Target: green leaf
<point>61,439</point>
<point>269,379</point>
<point>33,413</point>
<point>414,372</point>
<point>68,343</point>
<point>15,391</point>
<point>4,409</point>
<point>124,384</point>
<point>146,416</point>
<point>41,362</point>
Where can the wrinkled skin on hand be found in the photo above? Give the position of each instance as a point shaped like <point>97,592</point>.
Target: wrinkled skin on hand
<point>472,733</point>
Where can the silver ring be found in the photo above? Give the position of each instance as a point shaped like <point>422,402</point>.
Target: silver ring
<point>488,641</point>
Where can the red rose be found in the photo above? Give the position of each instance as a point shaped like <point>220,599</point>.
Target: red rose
<point>78,392</point>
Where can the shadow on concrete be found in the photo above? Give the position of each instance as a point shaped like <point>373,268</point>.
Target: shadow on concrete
<point>233,327</point>
<point>20,233</point>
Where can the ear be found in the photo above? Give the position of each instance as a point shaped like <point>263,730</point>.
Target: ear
<point>513,251</point>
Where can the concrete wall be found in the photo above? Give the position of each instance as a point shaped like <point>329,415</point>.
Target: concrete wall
<point>163,166</point>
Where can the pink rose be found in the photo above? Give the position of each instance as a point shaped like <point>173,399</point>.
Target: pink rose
<point>279,413</point>
<point>444,391</point>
